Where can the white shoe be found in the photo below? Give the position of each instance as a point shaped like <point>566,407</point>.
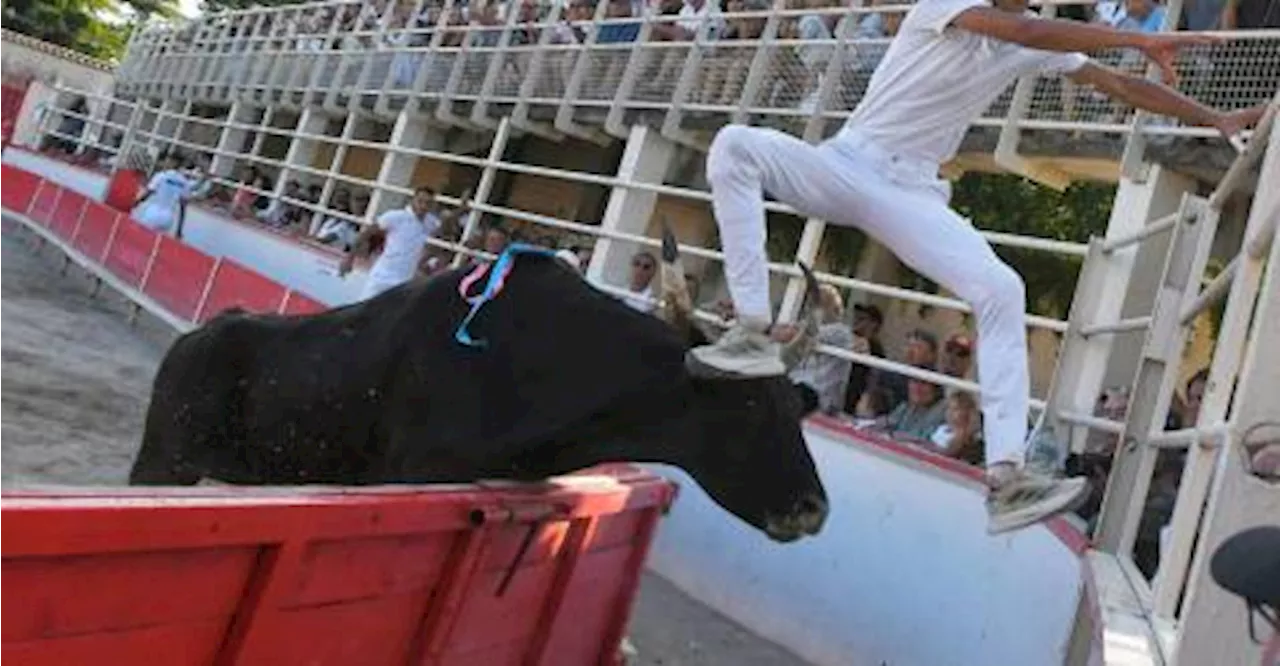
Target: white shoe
<point>741,352</point>
<point>1023,498</point>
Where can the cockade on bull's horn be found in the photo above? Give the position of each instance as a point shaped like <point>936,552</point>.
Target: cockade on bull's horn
<point>677,306</point>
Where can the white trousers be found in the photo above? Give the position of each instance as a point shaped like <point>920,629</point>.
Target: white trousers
<point>901,203</point>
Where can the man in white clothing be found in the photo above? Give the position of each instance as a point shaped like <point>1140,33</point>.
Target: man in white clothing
<point>163,203</point>
<point>405,232</point>
<point>950,60</point>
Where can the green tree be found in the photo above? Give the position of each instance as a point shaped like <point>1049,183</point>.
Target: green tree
<point>99,28</point>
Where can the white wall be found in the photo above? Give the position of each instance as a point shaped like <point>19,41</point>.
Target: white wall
<point>278,258</point>
<point>903,573</point>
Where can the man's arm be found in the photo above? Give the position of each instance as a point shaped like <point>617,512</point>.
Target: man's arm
<point>1071,36</point>
<point>1158,98</point>
<point>1045,34</point>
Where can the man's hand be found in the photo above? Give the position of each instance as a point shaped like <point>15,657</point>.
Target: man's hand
<point>1230,124</point>
<point>1162,48</point>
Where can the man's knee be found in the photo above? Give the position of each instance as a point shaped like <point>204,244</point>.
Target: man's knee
<point>729,151</point>
<point>1000,286</point>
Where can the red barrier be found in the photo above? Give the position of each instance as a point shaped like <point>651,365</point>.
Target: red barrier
<point>96,226</point>
<point>237,286</point>
<point>534,574</point>
<point>124,188</point>
<point>17,188</point>
<point>298,303</point>
<point>12,95</point>
<point>129,252</point>
<point>42,204</point>
<point>66,215</point>
<point>178,277</point>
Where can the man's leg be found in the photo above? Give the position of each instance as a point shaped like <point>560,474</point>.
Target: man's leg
<point>913,221</point>
<point>742,163</point>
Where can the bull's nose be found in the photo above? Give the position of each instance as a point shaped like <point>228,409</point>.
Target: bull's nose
<point>811,511</point>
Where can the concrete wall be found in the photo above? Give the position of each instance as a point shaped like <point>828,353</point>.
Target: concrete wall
<point>903,574</point>
<point>45,64</point>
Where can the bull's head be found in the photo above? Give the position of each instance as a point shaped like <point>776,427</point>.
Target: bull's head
<point>752,458</point>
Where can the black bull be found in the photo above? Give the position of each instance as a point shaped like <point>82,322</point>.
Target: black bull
<point>381,392</point>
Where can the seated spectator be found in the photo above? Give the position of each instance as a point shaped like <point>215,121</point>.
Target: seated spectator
<point>873,407</point>
<point>644,267</point>
<point>867,320</point>
<point>921,350</point>
<point>608,64</point>
<point>921,414</point>
<point>957,359</point>
<point>827,375</point>
<point>960,437</point>
<point>1142,16</point>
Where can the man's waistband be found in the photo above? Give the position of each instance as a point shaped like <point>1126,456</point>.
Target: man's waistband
<point>859,144</point>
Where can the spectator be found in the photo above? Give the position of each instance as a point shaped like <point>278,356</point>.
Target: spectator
<point>827,375</point>
<point>867,320</point>
<point>920,415</point>
<point>644,266</point>
<point>496,239</point>
<point>1194,391</point>
<point>873,406</point>
<point>608,64</point>
<point>1142,16</point>
<point>336,230</point>
<point>960,437</point>
<point>921,350</point>
<point>957,360</point>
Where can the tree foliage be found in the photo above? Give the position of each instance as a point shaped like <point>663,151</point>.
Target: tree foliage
<point>1007,203</point>
<point>84,25</point>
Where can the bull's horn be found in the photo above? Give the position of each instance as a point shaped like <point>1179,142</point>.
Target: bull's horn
<point>676,305</point>
<point>807,335</point>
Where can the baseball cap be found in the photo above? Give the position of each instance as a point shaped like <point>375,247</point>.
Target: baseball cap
<point>1247,564</point>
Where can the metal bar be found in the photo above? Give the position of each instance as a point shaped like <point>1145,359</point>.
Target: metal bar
<point>1122,326</point>
<point>1209,436</point>
<point>1212,293</point>
<point>1152,228</point>
<point>1246,159</point>
<point>1094,422</point>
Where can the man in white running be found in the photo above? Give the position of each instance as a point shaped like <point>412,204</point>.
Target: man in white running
<point>163,202</point>
<point>405,233</point>
<point>950,60</point>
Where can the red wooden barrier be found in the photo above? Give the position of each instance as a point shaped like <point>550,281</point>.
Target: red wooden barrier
<point>178,277</point>
<point>129,252</point>
<point>298,303</point>
<point>96,226</point>
<point>17,188</point>
<point>42,204</point>
<point>533,574</point>
<point>12,95</point>
<point>237,286</point>
<point>124,188</point>
<point>66,214</point>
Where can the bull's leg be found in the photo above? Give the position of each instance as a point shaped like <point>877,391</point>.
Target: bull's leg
<point>157,467</point>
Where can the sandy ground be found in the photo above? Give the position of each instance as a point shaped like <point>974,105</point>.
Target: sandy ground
<point>76,377</point>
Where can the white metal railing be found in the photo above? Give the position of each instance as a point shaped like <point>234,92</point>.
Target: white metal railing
<point>328,52</point>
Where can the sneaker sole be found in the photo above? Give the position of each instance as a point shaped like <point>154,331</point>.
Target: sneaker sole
<point>1019,520</point>
<point>754,370</point>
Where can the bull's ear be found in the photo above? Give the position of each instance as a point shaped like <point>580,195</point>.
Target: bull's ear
<point>808,398</point>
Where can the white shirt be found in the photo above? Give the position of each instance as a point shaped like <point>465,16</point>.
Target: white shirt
<point>640,303</point>
<point>690,17</point>
<point>936,79</point>
<point>406,238</point>
<point>168,189</point>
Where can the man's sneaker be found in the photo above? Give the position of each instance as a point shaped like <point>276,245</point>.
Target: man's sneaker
<point>1024,498</point>
<point>741,352</point>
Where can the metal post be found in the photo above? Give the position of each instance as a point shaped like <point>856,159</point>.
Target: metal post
<point>1156,379</point>
<point>485,186</point>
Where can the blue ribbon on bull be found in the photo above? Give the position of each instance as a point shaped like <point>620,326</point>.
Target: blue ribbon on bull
<point>497,278</point>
